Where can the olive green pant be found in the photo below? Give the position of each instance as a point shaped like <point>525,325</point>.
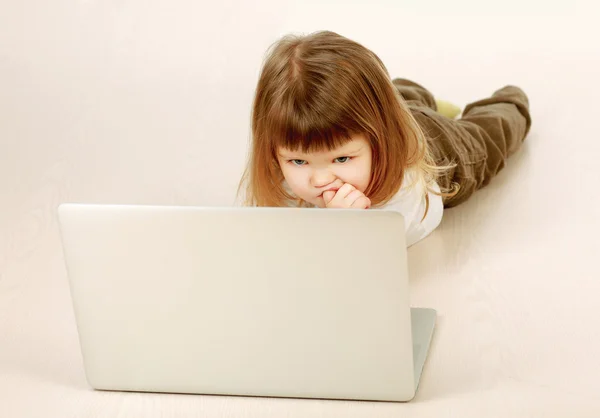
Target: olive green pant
<point>489,131</point>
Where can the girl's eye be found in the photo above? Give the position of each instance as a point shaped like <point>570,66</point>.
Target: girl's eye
<point>341,159</point>
<point>298,162</point>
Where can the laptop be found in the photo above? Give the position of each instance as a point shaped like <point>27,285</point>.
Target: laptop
<point>276,302</point>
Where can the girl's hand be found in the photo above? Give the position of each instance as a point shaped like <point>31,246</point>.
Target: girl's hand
<point>347,197</point>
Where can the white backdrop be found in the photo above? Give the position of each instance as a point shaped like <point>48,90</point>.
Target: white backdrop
<point>148,102</point>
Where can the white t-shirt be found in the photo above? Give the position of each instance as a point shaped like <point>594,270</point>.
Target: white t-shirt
<point>410,202</point>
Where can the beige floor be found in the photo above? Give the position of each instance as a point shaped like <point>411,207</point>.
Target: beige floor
<point>95,106</point>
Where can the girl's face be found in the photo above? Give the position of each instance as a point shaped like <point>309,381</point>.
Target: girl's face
<point>309,175</point>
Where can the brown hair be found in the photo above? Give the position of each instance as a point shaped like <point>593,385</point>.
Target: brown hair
<point>313,94</point>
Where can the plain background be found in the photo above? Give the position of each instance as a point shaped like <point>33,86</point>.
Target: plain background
<point>148,102</point>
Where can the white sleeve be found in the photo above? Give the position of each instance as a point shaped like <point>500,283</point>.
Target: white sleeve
<point>410,202</point>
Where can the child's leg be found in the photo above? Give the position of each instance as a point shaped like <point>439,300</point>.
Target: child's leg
<point>479,143</point>
<point>414,94</point>
<point>504,117</point>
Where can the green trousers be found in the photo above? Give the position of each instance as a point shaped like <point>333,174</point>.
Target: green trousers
<point>479,142</point>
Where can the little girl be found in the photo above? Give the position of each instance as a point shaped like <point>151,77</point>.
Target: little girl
<point>330,129</point>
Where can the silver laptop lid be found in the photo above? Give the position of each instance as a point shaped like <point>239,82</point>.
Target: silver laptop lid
<point>241,301</point>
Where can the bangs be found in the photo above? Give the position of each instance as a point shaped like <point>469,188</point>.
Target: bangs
<point>299,130</point>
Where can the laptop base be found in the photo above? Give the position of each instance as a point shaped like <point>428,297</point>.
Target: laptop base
<point>423,323</point>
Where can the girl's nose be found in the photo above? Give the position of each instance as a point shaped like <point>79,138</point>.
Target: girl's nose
<point>321,178</point>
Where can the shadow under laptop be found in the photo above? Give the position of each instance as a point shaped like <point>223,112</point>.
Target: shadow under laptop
<point>256,405</point>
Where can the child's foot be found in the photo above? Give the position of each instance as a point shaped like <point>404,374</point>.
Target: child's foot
<point>513,92</point>
<point>450,110</point>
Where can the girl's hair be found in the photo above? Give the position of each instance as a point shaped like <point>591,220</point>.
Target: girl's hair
<point>313,94</point>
